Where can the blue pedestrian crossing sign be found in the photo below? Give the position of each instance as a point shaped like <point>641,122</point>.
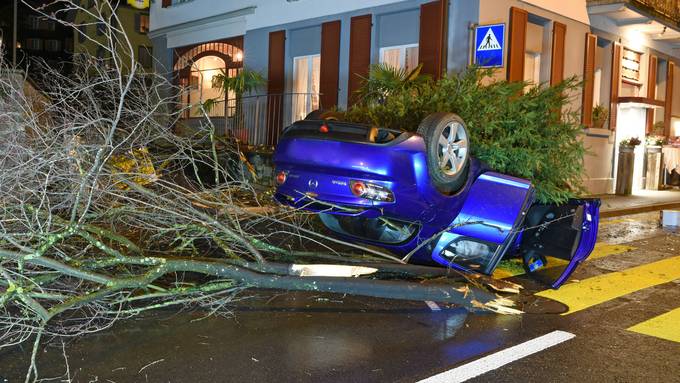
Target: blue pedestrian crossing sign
<point>489,45</point>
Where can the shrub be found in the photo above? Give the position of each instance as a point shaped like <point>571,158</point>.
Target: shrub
<point>523,131</point>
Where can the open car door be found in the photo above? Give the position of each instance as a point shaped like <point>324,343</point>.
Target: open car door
<point>500,219</point>
<point>558,238</point>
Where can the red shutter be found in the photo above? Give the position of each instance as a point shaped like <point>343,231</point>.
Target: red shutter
<point>557,59</point>
<point>651,90</point>
<point>359,54</point>
<point>668,108</point>
<point>588,80</point>
<point>615,84</point>
<point>275,85</point>
<point>432,37</point>
<point>330,64</point>
<point>166,3</point>
<point>518,40</point>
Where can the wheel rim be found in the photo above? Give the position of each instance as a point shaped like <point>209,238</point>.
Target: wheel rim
<point>453,148</point>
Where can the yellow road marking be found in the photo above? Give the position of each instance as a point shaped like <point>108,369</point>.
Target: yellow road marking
<point>513,267</point>
<point>602,288</point>
<point>665,326</point>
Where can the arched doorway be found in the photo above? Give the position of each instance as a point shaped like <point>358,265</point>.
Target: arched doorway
<point>196,66</point>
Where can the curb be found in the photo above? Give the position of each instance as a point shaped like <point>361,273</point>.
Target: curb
<point>639,209</point>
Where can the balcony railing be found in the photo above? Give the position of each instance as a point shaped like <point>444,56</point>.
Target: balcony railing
<point>667,9</point>
<point>258,120</point>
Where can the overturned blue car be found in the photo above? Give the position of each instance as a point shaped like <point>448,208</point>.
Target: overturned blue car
<point>422,196</point>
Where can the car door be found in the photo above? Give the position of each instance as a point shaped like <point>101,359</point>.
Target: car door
<point>559,238</point>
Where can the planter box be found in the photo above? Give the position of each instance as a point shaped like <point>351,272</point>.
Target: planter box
<point>654,170</point>
<point>624,171</point>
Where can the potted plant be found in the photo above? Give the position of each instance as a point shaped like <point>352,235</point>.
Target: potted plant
<point>654,143</point>
<point>600,115</point>
<point>629,144</point>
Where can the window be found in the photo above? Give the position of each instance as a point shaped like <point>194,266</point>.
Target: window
<point>597,84</point>
<point>142,23</point>
<point>537,51</point>
<point>33,22</point>
<point>53,45</point>
<point>306,74</point>
<point>82,32</point>
<point>145,56</point>
<point>532,67</point>
<point>400,56</point>
<point>630,65</point>
<point>68,45</point>
<point>34,44</point>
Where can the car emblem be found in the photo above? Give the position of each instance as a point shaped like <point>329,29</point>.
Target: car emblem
<point>313,184</point>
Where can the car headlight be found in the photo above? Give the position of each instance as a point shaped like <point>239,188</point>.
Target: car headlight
<point>371,191</point>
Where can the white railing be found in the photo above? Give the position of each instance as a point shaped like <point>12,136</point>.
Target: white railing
<point>258,120</point>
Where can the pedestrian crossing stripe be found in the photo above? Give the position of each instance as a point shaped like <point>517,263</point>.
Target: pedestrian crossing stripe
<point>602,288</point>
<point>513,267</point>
<point>489,42</point>
<point>665,326</point>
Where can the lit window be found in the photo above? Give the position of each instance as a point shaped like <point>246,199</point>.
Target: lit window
<point>537,52</point>
<point>142,23</point>
<point>400,57</point>
<point>306,77</point>
<point>532,67</point>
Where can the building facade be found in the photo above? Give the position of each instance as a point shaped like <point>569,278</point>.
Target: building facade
<point>634,55</point>
<point>37,36</point>
<point>324,48</point>
<point>135,23</point>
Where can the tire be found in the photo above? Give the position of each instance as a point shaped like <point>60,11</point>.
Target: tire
<point>320,114</point>
<point>447,164</point>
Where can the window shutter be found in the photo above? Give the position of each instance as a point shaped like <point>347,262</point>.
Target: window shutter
<point>557,59</point>
<point>359,54</point>
<point>588,80</point>
<point>518,40</point>
<point>166,3</point>
<point>330,64</point>
<point>615,84</point>
<point>651,90</point>
<point>668,108</point>
<point>275,84</point>
<point>432,41</point>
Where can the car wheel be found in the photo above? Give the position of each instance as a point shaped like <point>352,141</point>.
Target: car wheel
<point>447,144</point>
<point>320,114</point>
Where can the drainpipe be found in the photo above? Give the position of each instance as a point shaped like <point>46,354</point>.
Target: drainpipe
<point>471,43</point>
<point>14,36</point>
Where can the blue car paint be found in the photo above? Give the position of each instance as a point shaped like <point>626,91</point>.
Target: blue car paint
<point>320,170</point>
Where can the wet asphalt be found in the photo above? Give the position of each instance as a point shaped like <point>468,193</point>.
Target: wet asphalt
<point>303,337</point>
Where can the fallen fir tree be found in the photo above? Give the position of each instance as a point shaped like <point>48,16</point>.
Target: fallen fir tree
<point>106,213</point>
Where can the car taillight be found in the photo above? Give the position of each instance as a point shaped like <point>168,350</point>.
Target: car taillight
<point>323,128</point>
<point>371,191</point>
<point>281,177</point>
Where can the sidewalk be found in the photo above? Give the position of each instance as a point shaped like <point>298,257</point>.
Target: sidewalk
<point>640,202</point>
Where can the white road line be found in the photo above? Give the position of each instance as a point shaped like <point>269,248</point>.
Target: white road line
<point>500,358</point>
<point>433,306</point>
